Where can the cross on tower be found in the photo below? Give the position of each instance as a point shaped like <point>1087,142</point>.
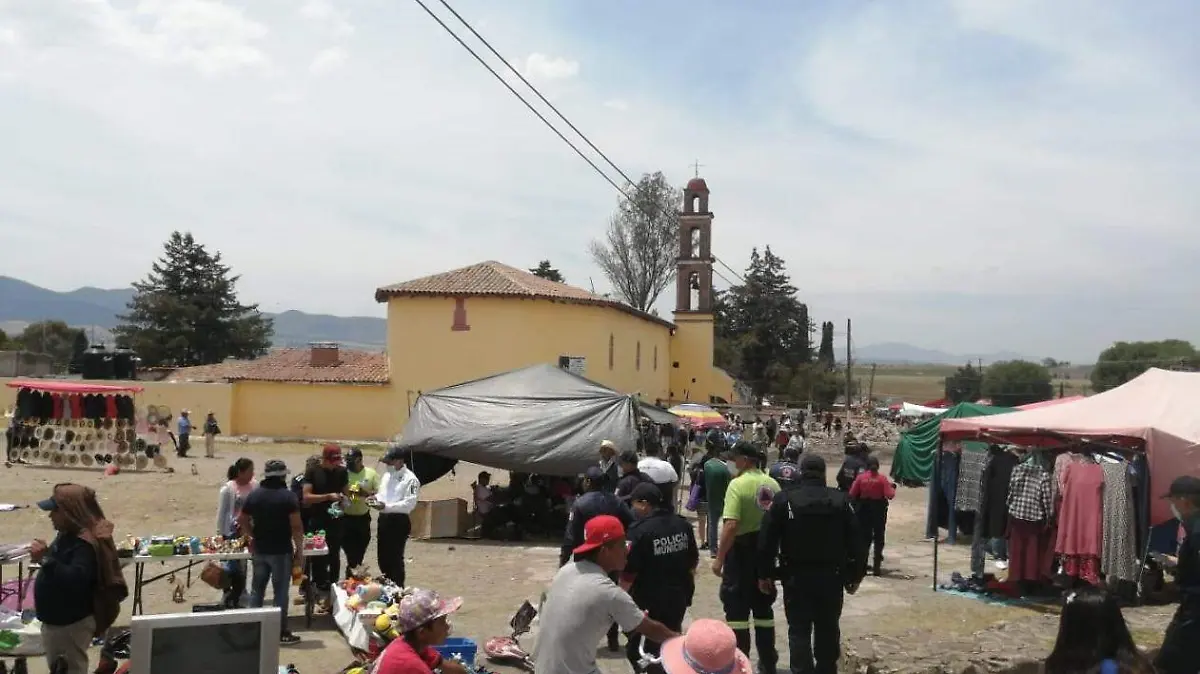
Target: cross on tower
<point>697,167</point>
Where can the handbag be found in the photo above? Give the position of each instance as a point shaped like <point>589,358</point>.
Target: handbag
<point>214,576</point>
<point>693,497</point>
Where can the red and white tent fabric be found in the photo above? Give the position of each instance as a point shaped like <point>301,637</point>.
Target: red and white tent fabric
<point>1160,409</point>
<point>1050,403</point>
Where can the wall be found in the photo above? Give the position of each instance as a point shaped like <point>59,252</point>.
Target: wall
<point>325,411</point>
<point>199,398</point>
<point>696,379</point>
<point>509,333</point>
<point>25,364</point>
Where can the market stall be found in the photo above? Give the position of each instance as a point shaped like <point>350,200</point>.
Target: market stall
<point>1073,488</point>
<point>62,423</point>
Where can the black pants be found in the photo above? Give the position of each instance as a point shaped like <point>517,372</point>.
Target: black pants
<point>742,600</point>
<point>812,603</point>
<point>356,536</point>
<point>669,613</point>
<point>1179,653</point>
<point>872,519</point>
<point>185,443</point>
<point>393,537</point>
<point>326,570</point>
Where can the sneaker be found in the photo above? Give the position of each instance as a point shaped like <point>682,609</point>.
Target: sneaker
<point>1001,564</point>
<point>287,639</point>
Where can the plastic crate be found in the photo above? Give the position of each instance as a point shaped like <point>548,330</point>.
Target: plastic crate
<point>460,646</point>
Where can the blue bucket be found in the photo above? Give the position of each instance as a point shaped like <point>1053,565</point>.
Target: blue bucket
<point>460,646</point>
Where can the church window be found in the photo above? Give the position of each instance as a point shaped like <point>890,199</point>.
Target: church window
<point>637,361</point>
<point>459,323</point>
<point>656,358</point>
<point>611,350</point>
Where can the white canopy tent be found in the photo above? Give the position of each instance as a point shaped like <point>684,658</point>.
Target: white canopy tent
<point>911,410</point>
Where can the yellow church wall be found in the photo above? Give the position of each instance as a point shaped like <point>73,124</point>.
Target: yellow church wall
<point>509,333</point>
<point>696,380</point>
<point>325,411</point>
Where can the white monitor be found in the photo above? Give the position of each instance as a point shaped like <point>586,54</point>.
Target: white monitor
<point>245,641</point>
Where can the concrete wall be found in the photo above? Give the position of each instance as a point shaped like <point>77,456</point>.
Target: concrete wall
<point>25,364</point>
<point>331,411</point>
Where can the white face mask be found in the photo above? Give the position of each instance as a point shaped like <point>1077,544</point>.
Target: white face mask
<point>732,466</point>
<point>1175,512</point>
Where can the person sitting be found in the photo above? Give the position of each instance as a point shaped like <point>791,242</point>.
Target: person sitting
<point>423,623</point>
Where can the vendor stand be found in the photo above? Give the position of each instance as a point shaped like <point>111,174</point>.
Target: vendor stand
<point>18,556</point>
<point>81,424</point>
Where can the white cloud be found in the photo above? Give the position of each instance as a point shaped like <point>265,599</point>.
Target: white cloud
<point>330,17</point>
<point>540,67</point>
<point>616,104</point>
<point>327,60</point>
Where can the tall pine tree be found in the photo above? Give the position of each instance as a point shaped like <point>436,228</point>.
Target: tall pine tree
<point>186,312</point>
<point>825,354</point>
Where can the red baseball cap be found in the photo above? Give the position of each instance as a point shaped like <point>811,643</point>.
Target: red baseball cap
<point>600,530</point>
<point>332,453</point>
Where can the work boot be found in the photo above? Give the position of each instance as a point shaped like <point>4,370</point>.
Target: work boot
<point>877,569</point>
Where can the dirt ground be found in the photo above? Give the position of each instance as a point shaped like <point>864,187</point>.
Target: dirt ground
<point>894,623</point>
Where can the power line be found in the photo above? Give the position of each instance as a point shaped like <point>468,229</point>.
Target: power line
<point>534,89</point>
<point>513,91</point>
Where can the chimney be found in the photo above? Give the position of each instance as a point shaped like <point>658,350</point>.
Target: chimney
<point>324,354</point>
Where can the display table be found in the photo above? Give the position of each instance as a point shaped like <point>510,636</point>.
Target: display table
<point>190,561</point>
<point>23,583</point>
<point>350,623</point>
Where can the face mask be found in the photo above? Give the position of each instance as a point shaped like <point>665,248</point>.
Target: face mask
<point>732,466</point>
<point>1175,512</point>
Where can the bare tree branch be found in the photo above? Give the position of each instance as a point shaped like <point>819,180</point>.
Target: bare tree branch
<point>638,252</point>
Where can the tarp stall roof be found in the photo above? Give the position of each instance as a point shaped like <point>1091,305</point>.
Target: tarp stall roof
<point>911,410</point>
<point>658,415</point>
<point>1158,408</point>
<point>913,461</point>
<point>539,419</point>
<point>72,386</point>
<point>1050,403</point>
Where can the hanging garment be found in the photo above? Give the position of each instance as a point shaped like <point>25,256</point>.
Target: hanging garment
<point>110,407</point>
<point>125,408</point>
<point>76,402</point>
<point>970,479</point>
<point>1081,520</point>
<point>1061,463</point>
<point>1118,556</point>
<point>45,405</point>
<point>56,405</point>
<point>993,507</point>
<point>1031,492</point>
<point>1030,551</point>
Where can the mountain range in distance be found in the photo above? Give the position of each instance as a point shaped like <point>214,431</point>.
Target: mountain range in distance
<point>96,309</point>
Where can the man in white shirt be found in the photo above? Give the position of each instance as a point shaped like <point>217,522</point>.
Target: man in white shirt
<point>399,490</point>
<point>583,601</point>
<point>660,473</point>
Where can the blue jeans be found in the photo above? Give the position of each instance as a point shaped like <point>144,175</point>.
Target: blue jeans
<point>278,570</point>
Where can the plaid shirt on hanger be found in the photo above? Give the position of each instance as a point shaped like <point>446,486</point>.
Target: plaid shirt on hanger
<point>1031,493</point>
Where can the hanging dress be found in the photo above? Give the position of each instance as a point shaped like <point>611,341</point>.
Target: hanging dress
<point>1118,558</point>
<point>1081,521</point>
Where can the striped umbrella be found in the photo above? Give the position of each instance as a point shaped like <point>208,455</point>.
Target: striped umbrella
<point>700,417</point>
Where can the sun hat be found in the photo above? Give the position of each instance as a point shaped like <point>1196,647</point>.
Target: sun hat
<point>708,647</point>
<point>275,468</point>
<point>608,444</point>
<point>599,530</point>
<point>423,607</point>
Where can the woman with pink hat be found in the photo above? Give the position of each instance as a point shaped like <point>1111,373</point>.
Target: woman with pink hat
<point>708,647</point>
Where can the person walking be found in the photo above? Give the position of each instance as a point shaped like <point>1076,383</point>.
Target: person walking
<point>631,475</point>
<point>1179,653</point>
<point>184,435</point>
<point>240,482</point>
<point>399,492</point>
<point>854,463</point>
<point>871,493</point>
<point>211,431</point>
<point>325,488</point>
<point>270,518</point>
<point>660,571</point>
<point>608,465</point>
<point>812,528</point>
<point>79,586</point>
<point>746,500</point>
<point>356,515</point>
<point>661,473</point>
<point>717,475</point>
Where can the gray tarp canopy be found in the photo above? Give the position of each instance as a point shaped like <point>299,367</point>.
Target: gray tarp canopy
<point>658,415</point>
<point>539,419</point>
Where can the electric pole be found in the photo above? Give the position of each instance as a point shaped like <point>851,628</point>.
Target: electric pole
<point>871,386</point>
<point>849,372</point>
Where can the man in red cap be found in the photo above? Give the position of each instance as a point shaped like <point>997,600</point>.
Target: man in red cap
<point>325,488</point>
<point>583,601</point>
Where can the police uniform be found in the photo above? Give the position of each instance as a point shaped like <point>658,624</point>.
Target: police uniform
<point>662,563</point>
<point>855,463</point>
<point>785,473</point>
<point>814,534</point>
<point>1179,653</point>
<point>746,500</point>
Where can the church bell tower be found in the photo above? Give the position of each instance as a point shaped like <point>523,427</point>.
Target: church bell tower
<point>694,264</point>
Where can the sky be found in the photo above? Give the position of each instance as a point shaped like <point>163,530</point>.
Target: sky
<point>963,175</point>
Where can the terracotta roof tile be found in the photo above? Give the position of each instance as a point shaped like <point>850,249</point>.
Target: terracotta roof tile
<point>495,279</point>
<point>293,365</point>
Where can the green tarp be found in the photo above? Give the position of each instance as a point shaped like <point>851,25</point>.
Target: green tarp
<point>913,461</point>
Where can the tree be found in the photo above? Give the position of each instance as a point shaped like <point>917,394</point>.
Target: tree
<point>186,312</point>
<point>965,385</point>
<point>5,343</point>
<point>544,270</point>
<point>1125,360</point>
<point>53,338</point>
<point>1017,382</point>
<point>77,350</point>
<point>639,251</point>
<point>825,355</point>
<point>764,327</point>
<point>1049,363</point>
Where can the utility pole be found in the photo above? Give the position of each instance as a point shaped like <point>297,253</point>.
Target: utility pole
<point>849,372</point>
<point>871,386</point>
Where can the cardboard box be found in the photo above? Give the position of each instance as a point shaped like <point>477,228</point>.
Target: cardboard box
<point>442,518</point>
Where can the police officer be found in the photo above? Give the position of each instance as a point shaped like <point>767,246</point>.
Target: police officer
<point>1179,653</point>
<point>786,471</point>
<point>596,500</point>
<point>630,475</point>
<point>855,463</point>
<point>660,570</point>
<point>746,499</point>
<point>812,530</point>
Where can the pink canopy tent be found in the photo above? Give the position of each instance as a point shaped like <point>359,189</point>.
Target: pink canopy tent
<point>1050,403</point>
<point>1158,408</point>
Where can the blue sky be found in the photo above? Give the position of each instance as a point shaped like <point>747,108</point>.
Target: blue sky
<point>967,175</point>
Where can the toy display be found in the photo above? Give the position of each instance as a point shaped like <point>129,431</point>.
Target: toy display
<point>171,546</point>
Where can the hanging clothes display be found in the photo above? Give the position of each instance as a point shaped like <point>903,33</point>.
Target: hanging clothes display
<point>1030,510</point>
<point>1061,463</point>
<point>1118,556</point>
<point>970,479</point>
<point>993,502</point>
<point>1081,520</point>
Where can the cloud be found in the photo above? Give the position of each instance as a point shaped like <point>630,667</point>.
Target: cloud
<point>963,175</point>
<point>540,67</point>
<point>327,60</point>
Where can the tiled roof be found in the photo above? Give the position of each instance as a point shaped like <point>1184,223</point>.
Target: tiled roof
<point>495,279</point>
<point>293,365</point>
